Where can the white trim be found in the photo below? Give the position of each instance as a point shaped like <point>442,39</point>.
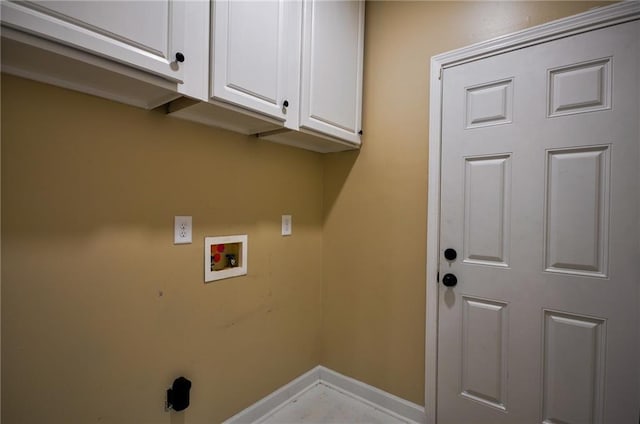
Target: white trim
<point>433,240</point>
<point>278,399</point>
<point>379,399</point>
<point>583,22</point>
<point>0,268</point>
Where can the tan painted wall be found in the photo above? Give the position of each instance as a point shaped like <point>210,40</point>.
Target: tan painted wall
<point>376,200</point>
<point>100,311</point>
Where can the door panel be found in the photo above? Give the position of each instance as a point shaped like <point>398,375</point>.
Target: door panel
<point>577,211</point>
<point>584,87</point>
<point>487,201</point>
<point>489,104</point>
<point>250,51</point>
<point>246,20</point>
<point>484,342</point>
<point>333,36</point>
<point>540,173</point>
<point>574,348</point>
<point>102,17</point>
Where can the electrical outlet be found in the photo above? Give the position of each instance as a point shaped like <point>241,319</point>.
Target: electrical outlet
<point>286,225</point>
<point>182,230</point>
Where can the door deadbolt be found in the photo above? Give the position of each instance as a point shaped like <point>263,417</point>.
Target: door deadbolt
<point>450,254</point>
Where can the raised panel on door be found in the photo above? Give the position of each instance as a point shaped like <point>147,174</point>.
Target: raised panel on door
<point>573,389</point>
<point>577,211</point>
<point>142,34</point>
<point>484,343</point>
<point>487,204</point>
<point>252,46</point>
<point>333,36</point>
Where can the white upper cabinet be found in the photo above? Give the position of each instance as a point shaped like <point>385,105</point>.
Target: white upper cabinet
<point>297,63</point>
<point>288,71</point>
<point>332,61</point>
<point>133,52</point>
<point>251,54</point>
<point>147,35</point>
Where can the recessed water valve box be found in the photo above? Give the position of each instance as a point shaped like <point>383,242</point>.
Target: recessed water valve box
<point>225,257</point>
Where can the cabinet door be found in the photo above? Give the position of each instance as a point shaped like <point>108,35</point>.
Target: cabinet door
<point>142,34</point>
<point>332,52</point>
<point>252,43</point>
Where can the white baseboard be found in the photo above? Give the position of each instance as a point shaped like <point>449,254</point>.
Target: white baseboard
<point>379,399</point>
<point>276,400</point>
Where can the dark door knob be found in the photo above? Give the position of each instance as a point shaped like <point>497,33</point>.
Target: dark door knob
<point>450,254</point>
<point>285,103</point>
<point>179,57</point>
<point>449,280</point>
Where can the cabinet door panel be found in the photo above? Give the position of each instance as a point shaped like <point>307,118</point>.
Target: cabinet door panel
<point>332,67</point>
<point>250,54</point>
<point>142,34</point>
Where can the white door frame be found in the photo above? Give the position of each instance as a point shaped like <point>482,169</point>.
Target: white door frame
<point>584,22</point>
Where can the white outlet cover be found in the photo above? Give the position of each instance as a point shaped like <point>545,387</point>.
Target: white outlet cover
<point>286,225</point>
<point>182,232</point>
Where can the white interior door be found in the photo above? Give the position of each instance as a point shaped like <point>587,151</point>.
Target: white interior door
<point>142,34</point>
<point>540,199</point>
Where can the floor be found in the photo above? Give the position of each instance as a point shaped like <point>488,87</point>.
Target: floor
<point>323,404</point>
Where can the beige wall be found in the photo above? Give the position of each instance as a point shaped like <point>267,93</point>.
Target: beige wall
<point>100,311</point>
<point>374,238</point>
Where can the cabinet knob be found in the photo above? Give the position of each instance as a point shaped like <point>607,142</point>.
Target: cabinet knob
<point>285,103</point>
<point>179,57</point>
